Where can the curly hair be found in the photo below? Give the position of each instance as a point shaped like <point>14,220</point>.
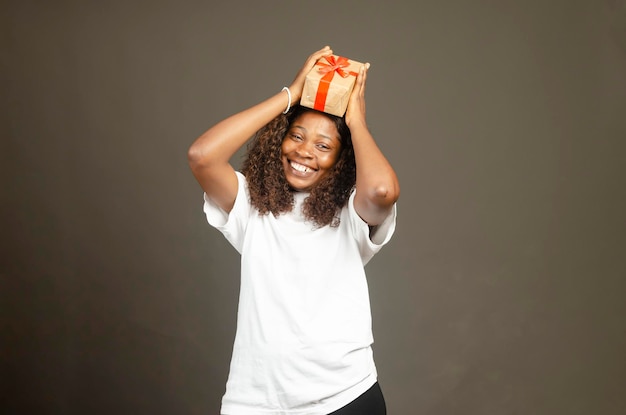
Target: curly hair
<point>269,190</point>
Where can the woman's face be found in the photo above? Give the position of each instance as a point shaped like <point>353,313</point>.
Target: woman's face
<point>310,150</point>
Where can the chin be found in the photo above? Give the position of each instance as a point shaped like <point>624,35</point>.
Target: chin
<point>300,187</point>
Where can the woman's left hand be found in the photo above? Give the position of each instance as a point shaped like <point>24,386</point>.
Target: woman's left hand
<point>356,104</point>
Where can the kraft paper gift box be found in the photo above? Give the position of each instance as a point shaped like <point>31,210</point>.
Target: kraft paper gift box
<point>327,87</point>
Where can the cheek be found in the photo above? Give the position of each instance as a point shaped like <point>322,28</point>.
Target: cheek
<point>284,148</point>
<point>330,160</point>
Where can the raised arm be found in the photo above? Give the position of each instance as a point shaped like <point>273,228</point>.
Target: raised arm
<point>209,156</point>
<point>377,187</point>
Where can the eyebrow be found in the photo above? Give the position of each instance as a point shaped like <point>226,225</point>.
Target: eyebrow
<point>338,139</point>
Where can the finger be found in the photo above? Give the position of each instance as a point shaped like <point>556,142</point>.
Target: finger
<point>312,60</point>
<point>364,77</point>
<point>325,51</point>
<point>360,81</point>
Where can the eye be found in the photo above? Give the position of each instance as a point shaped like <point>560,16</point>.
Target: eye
<point>296,137</point>
<point>324,147</point>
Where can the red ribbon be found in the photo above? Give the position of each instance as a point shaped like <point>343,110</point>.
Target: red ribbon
<point>328,69</point>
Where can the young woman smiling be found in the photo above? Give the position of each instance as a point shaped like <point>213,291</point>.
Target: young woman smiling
<point>314,201</point>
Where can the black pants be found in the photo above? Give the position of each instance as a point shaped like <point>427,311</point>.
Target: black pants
<point>371,402</point>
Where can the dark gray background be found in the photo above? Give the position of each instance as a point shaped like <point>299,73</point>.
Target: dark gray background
<point>502,291</point>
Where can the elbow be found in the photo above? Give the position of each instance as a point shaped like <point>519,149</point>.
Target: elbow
<point>196,157</point>
<point>385,194</point>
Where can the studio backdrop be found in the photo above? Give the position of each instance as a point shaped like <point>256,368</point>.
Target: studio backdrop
<point>501,292</point>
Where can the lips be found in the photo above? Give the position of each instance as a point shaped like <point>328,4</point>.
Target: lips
<point>301,168</point>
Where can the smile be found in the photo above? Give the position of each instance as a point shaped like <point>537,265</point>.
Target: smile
<point>300,167</point>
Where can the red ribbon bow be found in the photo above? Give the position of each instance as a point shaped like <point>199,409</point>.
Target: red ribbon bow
<point>335,65</point>
<point>328,69</point>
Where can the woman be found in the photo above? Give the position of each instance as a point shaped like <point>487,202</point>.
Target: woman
<point>315,200</point>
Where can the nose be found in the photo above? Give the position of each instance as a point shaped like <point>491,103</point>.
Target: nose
<point>304,150</point>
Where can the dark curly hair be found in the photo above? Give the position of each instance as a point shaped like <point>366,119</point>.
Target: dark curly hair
<point>269,190</point>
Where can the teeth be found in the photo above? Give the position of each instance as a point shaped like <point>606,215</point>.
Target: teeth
<point>300,167</point>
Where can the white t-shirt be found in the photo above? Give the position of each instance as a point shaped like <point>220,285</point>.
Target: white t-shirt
<point>304,330</point>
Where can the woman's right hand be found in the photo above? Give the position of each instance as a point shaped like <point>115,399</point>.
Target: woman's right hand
<point>297,85</point>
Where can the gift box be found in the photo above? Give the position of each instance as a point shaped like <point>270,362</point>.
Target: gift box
<point>327,87</point>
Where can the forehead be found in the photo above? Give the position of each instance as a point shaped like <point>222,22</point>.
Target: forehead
<point>316,123</point>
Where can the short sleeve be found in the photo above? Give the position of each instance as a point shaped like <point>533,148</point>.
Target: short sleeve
<point>232,225</point>
<point>371,241</point>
